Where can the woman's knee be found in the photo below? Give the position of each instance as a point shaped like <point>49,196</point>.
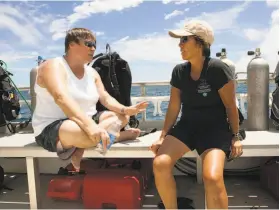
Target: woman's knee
<point>123,118</point>
<point>163,163</point>
<point>212,177</point>
<point>213,166</point>
<point>105,115</point>
<point>109,114</point>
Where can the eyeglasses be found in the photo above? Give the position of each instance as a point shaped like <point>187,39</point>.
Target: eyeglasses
<point>90,44</point>
<point>184,39</point>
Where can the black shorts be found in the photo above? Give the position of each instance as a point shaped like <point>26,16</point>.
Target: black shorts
<point>49,140</point>
<point>201,139</point>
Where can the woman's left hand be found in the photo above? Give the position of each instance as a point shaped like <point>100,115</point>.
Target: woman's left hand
<point>135,109</point>
<point>236,148</point>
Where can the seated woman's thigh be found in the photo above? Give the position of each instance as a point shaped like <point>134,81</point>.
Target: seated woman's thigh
<point>70,134</point>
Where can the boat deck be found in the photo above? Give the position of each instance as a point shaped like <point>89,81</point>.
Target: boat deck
<point>243,192</point>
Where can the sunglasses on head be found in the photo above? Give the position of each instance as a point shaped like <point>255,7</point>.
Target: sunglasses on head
<point>90,44</point>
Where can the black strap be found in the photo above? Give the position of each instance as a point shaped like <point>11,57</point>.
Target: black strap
<point>113,75</point>
<point>112,71</point>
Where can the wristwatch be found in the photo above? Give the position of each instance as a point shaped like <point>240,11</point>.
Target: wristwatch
<point>237,135</point>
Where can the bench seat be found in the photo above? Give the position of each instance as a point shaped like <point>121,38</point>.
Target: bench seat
<point>257,143</point>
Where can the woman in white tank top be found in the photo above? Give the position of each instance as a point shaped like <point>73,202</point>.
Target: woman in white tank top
<point>67,90</point>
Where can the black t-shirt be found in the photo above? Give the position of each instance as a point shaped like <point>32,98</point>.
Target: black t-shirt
<point>201,103</point>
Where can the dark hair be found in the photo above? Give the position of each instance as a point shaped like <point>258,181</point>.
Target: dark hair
<point>76,35</point>
<point>206,51</point>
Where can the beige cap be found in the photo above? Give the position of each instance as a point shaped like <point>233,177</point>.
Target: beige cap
<point>195,27</point>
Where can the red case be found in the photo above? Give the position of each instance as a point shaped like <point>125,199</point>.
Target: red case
<point>119,188</point>
<point>66,188</point>
<point>146,170</point>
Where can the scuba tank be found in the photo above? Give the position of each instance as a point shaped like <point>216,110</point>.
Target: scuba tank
<point>258,92</point>
<point>33,75</point>
<point>223,57</point>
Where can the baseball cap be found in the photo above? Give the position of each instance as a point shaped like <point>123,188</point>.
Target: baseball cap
<point>198,28</point>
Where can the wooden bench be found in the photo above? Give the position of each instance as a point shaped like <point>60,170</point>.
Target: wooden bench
<point>257,143</point>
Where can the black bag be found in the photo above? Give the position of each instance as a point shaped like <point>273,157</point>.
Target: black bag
<point>182,203</point>
<point>117,80</point>
<point>2,179</point>
<point>9,100</point>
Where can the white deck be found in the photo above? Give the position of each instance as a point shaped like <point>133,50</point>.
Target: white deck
<point>243,193</point>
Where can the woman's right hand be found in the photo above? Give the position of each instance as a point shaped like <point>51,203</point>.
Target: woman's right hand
<point>97,134</point>
<point>156,145</point>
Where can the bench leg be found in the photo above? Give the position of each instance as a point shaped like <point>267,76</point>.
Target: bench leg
<point>199,170</point>
<point>33,176</point>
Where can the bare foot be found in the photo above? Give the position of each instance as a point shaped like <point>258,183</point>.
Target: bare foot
<point>129,134</point>
<point>77,158</point>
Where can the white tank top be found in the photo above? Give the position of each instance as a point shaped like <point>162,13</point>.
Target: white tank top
<point>83,91</point>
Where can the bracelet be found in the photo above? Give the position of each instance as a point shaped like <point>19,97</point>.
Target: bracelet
<point>122,110</point>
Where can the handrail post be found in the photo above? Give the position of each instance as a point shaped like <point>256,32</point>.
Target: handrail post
<point>143,93</point>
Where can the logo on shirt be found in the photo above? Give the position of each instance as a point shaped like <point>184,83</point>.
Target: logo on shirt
<point>203,87</point>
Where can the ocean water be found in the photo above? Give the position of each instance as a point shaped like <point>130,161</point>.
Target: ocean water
<point>150,91</point>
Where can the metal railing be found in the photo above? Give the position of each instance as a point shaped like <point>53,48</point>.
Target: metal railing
<point>271,77</point>
<point>157,100</point>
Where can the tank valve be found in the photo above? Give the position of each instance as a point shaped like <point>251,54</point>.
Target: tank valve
<point>257,52</point>
<point>222,53</point>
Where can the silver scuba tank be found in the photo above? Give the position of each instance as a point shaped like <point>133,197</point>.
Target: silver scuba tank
<point>33,75</point>
<point>223,57</point>
<point>258,92</point>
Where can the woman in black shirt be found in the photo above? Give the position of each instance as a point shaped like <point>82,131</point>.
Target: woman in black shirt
<point>209,123</point>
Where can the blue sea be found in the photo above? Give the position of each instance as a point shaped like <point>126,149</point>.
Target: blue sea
<point>150,91</point>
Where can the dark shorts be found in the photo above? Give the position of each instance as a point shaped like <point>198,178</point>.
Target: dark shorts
<point>201,139</point>
<point>49,140</point>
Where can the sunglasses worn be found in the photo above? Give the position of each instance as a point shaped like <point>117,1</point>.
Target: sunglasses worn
<point>90,44</point>
<point>184,39</point>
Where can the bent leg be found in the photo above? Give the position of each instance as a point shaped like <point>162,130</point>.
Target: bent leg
<point>71,135</point>
<point>213,167</point>
<point>170,151</point>
<point>107,117</point>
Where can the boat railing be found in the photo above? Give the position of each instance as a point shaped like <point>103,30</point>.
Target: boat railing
<point>244,80</point>
<point>157,101</point>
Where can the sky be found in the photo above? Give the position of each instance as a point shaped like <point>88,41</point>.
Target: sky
<point>137,30</point>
